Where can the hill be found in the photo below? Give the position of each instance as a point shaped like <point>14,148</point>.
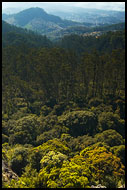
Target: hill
<point>15,36</point>
<point>38,20</point>
<point>85,30</point>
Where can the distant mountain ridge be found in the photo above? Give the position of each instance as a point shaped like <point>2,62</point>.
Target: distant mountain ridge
<point>24,17</point>
<point>36,19</point>
<point>93,16</point>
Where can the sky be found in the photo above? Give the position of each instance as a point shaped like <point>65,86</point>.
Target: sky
<point>14,7</point>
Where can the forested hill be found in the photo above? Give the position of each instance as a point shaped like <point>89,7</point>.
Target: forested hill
<point>104,43</point>
<point>85,30</point>
<point>12,35</point>
<point>15,36</point>
<point>37,19</point>
<point>26,17</point>
<point>63,110</point>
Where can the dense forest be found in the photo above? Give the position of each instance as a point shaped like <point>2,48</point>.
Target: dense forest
<point>63,110</point>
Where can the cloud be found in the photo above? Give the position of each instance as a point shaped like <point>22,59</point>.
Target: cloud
<point>102,5</point>
<point>61,5</point>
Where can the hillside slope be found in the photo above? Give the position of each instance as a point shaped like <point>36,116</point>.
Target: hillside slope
<point>38,20</point>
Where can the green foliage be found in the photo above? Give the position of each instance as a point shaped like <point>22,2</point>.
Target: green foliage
<point>59,109</point>
<point>35,107</point>
<point>4,157</point>
<point>51,164</point>
<point>66,138</point>
<point>34,159</point>
<point>110,137</point>
<point>68,174</point>
<point>4,127</point>
<point>45,110</point>
<point>46,123</point>
<point>95,102</point>
<point>79,122</point>
<point>119,151</point>
<point>101,108</point>
<point>4,138</point>
<point>105,42</point>
<point>81,142</point>
<point>53,145</point>
<point>24,131</point>
<point>20,137</point>
<point>5,150</point>
<point>74,174</point>
<point>63,109</point>
<point>110,182</point>
<point>13,35</point>
<point>19,159</point>
<point>27,180</point>
<point>109,120</point>
<point>52,159</point>
<point>120,108</point>
<point>51,134</point>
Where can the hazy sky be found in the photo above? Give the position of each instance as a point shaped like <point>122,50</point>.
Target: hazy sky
<point>11,7</point>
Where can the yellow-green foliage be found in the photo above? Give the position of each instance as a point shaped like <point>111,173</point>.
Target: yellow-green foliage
<point>119,151</point>
<point>74,173</point>
<point>51,164</point>
<point>58,172</point>
<point>5,151</point>
<point>27,180</point>
<point>53,159</point>
<point>55,145</point>
<point>103,163</point>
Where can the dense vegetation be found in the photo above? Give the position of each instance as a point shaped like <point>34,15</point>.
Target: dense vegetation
<point>85,30</point>
<point>63,109</point>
